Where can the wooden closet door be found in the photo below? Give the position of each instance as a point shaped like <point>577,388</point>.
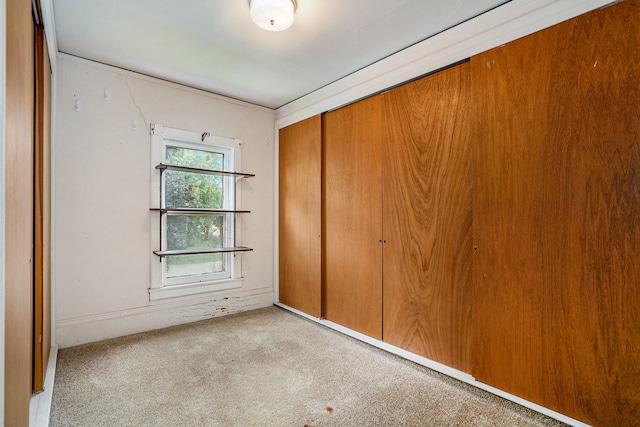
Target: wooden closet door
<point>42,212</point>
<point>352,212</point>
<point>557,217</point>
<point>19,218</point>
<point>427,217</point>
<point>300,163</point>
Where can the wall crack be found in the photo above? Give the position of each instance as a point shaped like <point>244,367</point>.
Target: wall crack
<point>133,100</point>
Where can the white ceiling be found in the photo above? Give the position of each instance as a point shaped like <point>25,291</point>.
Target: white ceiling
<point>214,45</point>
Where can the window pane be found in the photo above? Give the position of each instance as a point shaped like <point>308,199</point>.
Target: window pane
<point>189,157</point>
<point>193,265</point>
<point>193,190</point>
<point>195,231</point>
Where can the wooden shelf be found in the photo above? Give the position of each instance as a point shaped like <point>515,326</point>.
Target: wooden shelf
<point>198,211</point>
<point>164,167</point>
<point>195,211</point>
<point>201,251</point>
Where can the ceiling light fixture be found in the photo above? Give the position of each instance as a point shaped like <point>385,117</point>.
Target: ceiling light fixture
<point>273,15</point>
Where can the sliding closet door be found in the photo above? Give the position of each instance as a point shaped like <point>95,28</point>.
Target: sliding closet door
<point>557,216</point>
<point>300,160</point>
<point>42,212</point>
<point>352,212</point>
<point>427,217</point>
<point>18,273</point>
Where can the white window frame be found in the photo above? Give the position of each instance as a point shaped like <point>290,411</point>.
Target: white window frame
<point>162,287</point>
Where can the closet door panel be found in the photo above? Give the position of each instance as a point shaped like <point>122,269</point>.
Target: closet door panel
<point>427,217</point>
<point>557,216</point>
<point>19,213</point>
<point>352,212</point>
<point>300,162</point>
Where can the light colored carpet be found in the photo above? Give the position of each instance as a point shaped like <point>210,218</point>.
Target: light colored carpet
<point>267,367</point>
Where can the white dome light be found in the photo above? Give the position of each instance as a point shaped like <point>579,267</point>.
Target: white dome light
<point>273,15</point>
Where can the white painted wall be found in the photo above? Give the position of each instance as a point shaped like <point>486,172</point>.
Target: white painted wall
<point>101,214</point>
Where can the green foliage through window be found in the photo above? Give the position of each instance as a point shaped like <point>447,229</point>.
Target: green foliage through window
<point>194,190</point>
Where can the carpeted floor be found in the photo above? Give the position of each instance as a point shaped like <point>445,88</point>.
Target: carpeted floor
<point>267,367</point>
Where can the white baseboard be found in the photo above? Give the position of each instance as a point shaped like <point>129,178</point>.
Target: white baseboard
<point>40,405</point>
<point>431,364</point>
<point>158,314</point>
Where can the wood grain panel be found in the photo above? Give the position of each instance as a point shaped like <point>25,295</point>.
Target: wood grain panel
<point>41,342</point>
<point>557,217</point>
<point>300,196</point>
<point>38,238</point>
<point>427,217</point>
<point>19,212</point>
<point>352,213</point>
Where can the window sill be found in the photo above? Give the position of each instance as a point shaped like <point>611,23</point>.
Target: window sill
<point>193,289</point>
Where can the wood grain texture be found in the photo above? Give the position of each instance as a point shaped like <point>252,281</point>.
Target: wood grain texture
<point>38,238</point>
<point>42,230</point>
<point>352,215</point>
<point>19,122</point>
<point>427,217</point>
<point>300,155</point>
<point>557,217</point>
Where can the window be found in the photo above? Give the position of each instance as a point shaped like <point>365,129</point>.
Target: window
<point>194,231</point>
<point>193,217</point>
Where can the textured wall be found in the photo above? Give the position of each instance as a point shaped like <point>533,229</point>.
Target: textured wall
<point>102,199</point>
